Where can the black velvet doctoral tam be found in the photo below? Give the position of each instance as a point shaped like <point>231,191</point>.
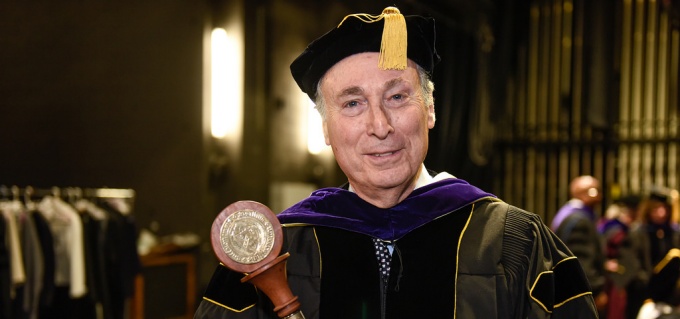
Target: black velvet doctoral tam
<point>356,36</point>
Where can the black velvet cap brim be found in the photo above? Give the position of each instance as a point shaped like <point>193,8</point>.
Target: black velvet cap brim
<point>355,36</point>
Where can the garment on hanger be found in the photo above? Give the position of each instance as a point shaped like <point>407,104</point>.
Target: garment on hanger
<point>5,281</point>
<point>18,277</point>
<point>67,230</point>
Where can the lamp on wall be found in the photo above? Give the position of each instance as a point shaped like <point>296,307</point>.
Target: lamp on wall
<point>225,65</point>
<point>226,85</point>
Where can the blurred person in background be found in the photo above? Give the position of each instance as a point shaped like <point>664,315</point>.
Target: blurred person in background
<point>575,223</point>
<point>621,264</point>
<point>653,236</point>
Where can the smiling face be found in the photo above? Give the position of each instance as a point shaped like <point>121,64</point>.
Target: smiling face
<point>377,124</point>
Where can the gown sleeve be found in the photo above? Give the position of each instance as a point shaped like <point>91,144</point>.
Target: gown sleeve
<point>550,281</point>
<point>227,298</point>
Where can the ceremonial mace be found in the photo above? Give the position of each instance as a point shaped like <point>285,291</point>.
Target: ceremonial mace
<point>246,237</point>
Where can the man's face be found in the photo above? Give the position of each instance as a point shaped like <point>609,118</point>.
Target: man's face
<point>376,122</point>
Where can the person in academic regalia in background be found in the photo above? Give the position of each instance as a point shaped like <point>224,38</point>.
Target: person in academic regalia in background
<point>655,237</point>
<point>621,264</point>
<point>398,240</point>
<point>576,225</point>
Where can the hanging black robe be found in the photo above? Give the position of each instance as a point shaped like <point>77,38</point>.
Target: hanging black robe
<point>457,251</point>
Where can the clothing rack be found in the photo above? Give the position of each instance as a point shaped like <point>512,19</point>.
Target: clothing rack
<point>67,252</point>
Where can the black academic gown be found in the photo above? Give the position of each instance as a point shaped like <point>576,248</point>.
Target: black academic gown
<point>485,259</point>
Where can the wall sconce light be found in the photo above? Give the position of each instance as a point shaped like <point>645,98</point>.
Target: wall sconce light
<point>226,102</point>
<point>226,85</point>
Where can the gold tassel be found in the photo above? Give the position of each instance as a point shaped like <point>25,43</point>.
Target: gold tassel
<point>393,46</point>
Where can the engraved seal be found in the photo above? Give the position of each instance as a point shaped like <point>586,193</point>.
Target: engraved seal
<point>247,236</point>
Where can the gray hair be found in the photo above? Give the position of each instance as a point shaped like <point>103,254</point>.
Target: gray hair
<point>426,89</point>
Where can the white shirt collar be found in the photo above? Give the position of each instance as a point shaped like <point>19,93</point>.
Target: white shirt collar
<point>424,178</point>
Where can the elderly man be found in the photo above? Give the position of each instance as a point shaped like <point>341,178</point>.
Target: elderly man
<point>399,241</point>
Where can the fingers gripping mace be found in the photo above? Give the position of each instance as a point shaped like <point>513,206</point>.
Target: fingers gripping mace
<point>247,237</point>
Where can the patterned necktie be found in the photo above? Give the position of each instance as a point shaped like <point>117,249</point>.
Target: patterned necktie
<point>384,258</point>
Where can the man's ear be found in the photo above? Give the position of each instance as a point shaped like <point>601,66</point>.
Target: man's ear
<point>325,132</point>
<point>430,116</point>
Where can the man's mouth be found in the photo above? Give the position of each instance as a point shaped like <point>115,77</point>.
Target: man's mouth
<point>383,154</point>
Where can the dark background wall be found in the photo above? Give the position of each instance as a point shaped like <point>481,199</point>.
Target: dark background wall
<point>96,94</point>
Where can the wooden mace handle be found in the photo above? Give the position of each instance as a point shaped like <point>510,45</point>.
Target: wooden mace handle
<point>271,279</point>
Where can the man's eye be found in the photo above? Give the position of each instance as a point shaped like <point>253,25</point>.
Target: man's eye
<point>397,97</point>
<point>351,104</point>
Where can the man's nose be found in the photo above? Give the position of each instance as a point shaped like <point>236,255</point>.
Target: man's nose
<point>380,122</point>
